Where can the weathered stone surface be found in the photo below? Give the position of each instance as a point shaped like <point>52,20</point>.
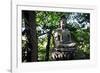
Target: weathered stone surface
<point>64,46</point>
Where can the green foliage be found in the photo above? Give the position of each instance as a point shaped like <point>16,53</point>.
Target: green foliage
<point>48,19</point>
<point>42,42</point>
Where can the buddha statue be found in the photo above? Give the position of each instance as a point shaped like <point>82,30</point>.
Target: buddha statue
<point>64,46</point>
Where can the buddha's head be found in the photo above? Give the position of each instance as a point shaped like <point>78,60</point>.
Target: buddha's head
<point>63,22</point>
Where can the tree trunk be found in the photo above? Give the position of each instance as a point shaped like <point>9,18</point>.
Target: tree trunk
<point>48,45</point>
<point>30,26</point>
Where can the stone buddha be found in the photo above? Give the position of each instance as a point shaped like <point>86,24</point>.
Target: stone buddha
<point>63,42</point>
